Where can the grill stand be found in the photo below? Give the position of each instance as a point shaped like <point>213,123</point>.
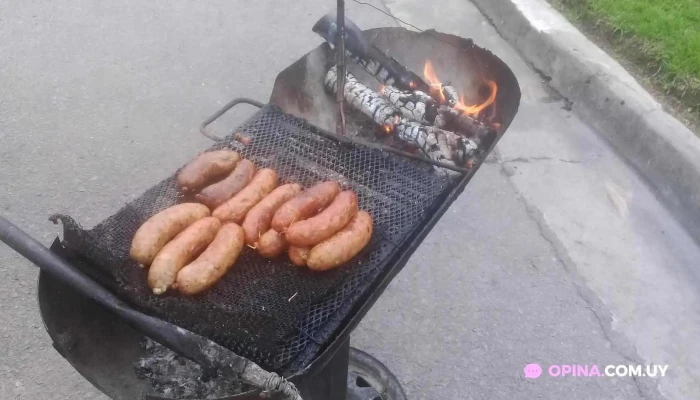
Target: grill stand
<point>103,348</point>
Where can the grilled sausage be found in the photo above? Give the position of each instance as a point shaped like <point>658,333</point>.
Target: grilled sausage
<point>236,208</point>
<point>206,168</point>
<point>260,216</point>
<point>179,252</point>
<point>298,255</point>
<point>271,244</point>
<point>213,263</point>
<point>342,246</point>
<point>306,204</point>
<point>325,224</point>
<point>216,194</point>
<point>160,228</point>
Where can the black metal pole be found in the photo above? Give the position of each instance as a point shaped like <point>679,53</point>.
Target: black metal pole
<point>340,53</point>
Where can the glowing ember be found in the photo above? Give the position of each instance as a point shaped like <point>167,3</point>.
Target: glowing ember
<point>388,128</point>
<point>475,110</point>
<point>435,84</point>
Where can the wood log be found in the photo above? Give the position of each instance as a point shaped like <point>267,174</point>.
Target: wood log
<point>416,105</point>
<point>364,99</point>
<point>451,119</point>
<point>438,144</point>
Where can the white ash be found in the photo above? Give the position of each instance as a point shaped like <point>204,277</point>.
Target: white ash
<point>437,144</point>
<point>171,375</point>
<point>415,105</point>
<point>373,68</point>
<point>363,98</point>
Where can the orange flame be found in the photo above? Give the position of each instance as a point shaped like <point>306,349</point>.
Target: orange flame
<point>388,128</point>
<point>434,82</point>
<point>475,110</point>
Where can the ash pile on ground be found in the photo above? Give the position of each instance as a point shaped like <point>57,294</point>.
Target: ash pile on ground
<point>171,375</point>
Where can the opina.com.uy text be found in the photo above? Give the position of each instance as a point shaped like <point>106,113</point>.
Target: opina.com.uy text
<point>533,371</point>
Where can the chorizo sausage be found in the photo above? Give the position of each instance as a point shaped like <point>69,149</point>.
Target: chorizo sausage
<point>213,263</point>
<point>260,216</point>
<point>306,204</point>
<point>298,255</point>
<point>271,244</point>
<point>342,246</point>
<point>216,194</point>
<point>161,228</point>
<point>179,252</point>
<point>325,224</point>
<point>206,168</point>
<point>236,208</point>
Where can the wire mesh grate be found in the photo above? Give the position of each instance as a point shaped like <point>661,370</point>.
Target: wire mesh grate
<point>268,310</point>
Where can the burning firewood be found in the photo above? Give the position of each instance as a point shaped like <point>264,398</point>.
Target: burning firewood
<point>438,144</point>
<point>415,105</point>
<point>364,99</point>
<point>449,118</point>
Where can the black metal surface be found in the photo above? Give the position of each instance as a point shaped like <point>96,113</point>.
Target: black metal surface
<point>359,47</point>
<point>211,356</point>
<point>103,348</point>
<point>269,311</point>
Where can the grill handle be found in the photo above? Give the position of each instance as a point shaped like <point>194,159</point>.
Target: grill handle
<point>206,353</point>
<point>241,100</point>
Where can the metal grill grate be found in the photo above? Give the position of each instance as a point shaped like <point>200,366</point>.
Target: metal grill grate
<point>270,311</point>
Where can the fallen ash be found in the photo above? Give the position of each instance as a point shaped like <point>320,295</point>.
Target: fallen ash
<point>173,376</point>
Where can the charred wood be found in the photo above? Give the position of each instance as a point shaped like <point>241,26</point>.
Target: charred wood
<point>364,99</point>
<point>417,105</point>
<point>449,118</point>
<point>438,144</point>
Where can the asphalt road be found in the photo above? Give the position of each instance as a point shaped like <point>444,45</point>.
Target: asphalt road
<point>547,257</point>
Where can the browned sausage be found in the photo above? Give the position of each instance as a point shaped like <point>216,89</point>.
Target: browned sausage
<point>215,195</point>
<point>306,204</point>
<point>179,252</point>
<point>342,246</point>
<point>298,255</point>
<point>260,216</point>
<point>271,244</point>
<point>325,224</point>
<point>213,263</point>
<point>160,228</point>
<point>205,168</point>
<point>236,208</point>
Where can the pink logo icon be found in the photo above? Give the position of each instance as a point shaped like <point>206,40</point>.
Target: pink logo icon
<point>532,371</point>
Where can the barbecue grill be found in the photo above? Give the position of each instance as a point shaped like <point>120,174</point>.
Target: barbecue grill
<point>287,320</point>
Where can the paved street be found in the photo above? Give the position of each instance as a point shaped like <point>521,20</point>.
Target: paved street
<point>557,253</point>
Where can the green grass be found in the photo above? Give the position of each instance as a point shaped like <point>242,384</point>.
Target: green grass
<point>661,36</point>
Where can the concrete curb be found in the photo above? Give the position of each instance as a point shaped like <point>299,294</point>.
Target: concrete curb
<point>607,98</point>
